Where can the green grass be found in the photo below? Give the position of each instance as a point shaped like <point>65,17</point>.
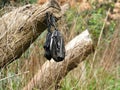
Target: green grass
<point>97,79</point>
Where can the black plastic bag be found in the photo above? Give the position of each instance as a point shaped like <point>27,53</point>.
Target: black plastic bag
<point>57,48</point>
<point>47,46</point>
<point>54,44</point>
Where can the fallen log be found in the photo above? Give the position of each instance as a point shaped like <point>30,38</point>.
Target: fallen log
<point>52,72</point>
<point>21,27</point>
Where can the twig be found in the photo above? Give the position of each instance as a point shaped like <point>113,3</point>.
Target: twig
<point>100,36</point>
<point>13,76</point>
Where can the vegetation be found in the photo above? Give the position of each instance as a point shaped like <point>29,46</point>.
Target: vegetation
<point>100,71</point>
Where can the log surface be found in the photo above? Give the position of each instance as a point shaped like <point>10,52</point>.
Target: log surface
<point>52,72</point>
<point>21,27</point>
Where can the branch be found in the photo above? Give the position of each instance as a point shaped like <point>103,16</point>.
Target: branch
<point>52,72</point>
<point>21,27</point>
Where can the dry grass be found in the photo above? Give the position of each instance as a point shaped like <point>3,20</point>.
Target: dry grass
<point>104,75</point>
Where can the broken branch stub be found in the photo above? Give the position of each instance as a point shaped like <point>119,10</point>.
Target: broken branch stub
<point>51,72</point>
<point>20,27</point>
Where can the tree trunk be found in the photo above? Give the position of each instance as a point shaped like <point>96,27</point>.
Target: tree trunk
<point>21,27</point>
<point>52,72</point>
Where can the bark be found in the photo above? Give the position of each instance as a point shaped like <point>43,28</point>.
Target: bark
<point>21,27</point>
<point>52,72</point>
